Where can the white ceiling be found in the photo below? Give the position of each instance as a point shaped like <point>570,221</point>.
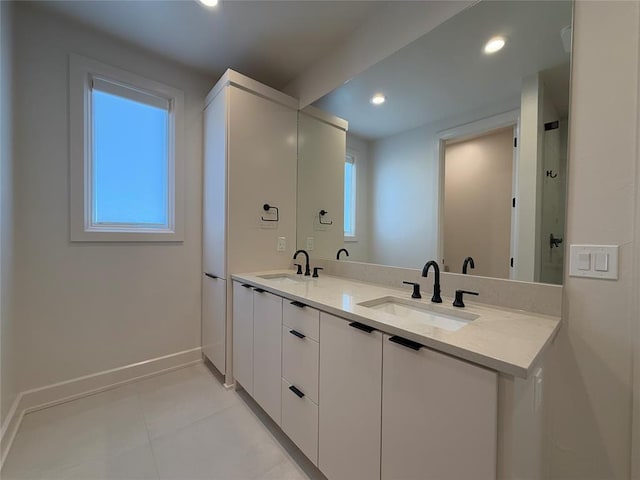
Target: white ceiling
<point>445,73</point>
<point>271,41</point>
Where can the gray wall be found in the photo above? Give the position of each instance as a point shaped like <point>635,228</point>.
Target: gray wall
<point>88,307</point>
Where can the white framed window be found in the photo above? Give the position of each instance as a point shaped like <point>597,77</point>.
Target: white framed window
<point>350,173</point>
<point>126,135</point>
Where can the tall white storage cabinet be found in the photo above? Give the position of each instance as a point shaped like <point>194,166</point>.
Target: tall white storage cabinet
<point>250,160</point>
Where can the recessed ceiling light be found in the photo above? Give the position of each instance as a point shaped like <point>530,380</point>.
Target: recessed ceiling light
<point>494,45</point>
<point>378,99</point>
<point>209,3</point>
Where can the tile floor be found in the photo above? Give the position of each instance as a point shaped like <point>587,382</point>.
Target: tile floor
<point>180,425</point>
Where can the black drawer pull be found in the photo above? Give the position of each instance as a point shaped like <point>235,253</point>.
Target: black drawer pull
<point>406,343</point>
<point>246,285</point>
<point>210,275</point>
<point>296,391</point>
<point>362,326</point>
<point>298,304</point>
<point>297,334</point>
<point>259,290</point>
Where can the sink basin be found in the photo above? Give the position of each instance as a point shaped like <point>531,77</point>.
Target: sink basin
<point>284,278</point>
<point>433,315</point>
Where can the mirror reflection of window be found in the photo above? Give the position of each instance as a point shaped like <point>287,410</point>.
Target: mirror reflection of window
<point>350,196</point>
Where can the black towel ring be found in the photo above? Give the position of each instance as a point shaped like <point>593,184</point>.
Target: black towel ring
<point>266,207</point>
<point>322,214</point>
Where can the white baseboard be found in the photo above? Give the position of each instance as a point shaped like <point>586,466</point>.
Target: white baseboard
<point>50,395</point>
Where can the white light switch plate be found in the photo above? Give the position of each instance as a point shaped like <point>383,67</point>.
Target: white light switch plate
<point>603,261</point>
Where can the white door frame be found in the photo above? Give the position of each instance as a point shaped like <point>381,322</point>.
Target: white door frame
<point>472,129</point>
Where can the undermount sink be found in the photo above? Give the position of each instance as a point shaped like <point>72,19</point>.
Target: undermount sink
<point>284,277</point>
<point>433,315</point>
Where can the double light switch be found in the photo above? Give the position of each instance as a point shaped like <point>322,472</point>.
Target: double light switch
<point>594,261</point>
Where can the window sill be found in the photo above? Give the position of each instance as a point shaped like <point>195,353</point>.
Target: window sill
<point>351,239</point>
<point>126,236</point>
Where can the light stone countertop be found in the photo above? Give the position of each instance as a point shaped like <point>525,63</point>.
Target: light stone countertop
<point>502,339</point>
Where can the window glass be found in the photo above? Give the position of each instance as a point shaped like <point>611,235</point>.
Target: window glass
<point>130,162</point>
<point>349,197</point>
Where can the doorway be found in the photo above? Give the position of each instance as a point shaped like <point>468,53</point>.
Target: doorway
<point>477,202</point>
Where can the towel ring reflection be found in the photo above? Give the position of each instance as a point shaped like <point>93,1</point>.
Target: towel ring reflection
<point>322,213</point>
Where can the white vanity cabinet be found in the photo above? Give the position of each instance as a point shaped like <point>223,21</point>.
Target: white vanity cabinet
<point>359,403</point>
<point>243,335</point>
<point>300,368</point>
<point>267,352</point>
<point>257,345</point>
<point>439,415</point>
<point>350,399</point>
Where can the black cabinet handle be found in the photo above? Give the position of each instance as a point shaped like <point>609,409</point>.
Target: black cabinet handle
<point>246,285</point>
<point>297,334</point>
<point>210,275</point>
<point>298,304</point>
<point>259,290</point>
<point>406,343</point>
<point>362,326</point>
<point>296,391</point>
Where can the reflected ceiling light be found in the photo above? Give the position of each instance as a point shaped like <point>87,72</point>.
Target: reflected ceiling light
<point>378,99</point>
<point>209,3</point>
<point>494,45</point>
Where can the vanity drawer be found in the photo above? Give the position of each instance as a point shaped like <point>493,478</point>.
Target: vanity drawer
<point>300,420</point>
<point>300,361</point>
<point>301,318</point>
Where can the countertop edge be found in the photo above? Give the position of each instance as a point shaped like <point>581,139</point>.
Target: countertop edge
<point>499,366</point>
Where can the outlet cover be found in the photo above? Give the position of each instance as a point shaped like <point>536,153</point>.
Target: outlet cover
<point>310,243</point>
<point>282,244</point>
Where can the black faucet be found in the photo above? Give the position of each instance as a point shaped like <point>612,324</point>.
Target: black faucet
<point>416,289</point>
<point>459,301</point>
<point>467,262</point>
<point>436,283</point>
<point>340,251</point>
<point>307,270</point>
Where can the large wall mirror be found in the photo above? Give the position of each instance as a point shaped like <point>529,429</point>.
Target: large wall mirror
<point>456,147</point>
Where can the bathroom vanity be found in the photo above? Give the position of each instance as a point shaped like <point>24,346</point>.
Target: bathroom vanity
<point>369,383</point>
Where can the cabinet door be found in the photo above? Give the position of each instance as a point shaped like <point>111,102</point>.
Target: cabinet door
<point>350,400</point>
<point>243,335</point>
<point>439,416</point>
<point>214,207</point>
<point>267,353</point>
<point>214,316</point>
<point>262,150</point>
